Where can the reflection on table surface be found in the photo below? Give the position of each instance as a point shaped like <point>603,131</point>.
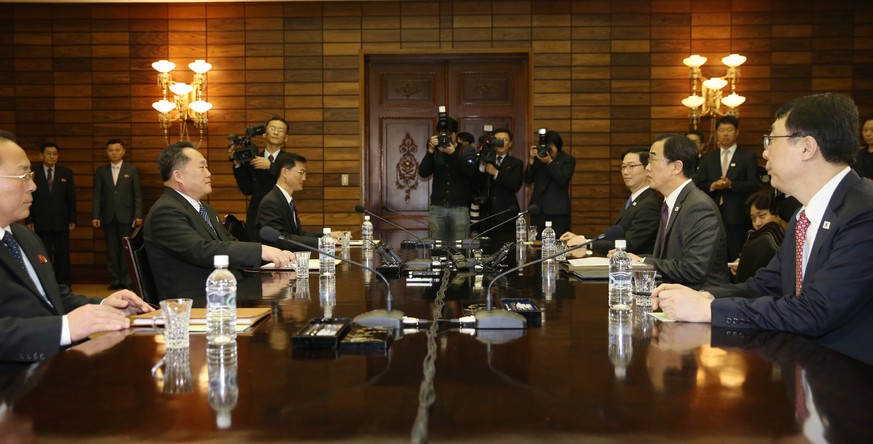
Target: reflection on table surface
<point>586,373</point>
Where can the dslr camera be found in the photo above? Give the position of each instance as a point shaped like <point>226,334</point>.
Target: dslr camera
<point>487,154</point>
<point>444,140</point>
<point>244,149</point>
<point>543,148</point>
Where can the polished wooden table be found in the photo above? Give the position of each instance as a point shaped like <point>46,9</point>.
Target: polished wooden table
<point>585,374</point>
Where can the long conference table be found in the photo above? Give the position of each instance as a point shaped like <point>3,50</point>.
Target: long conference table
<point>584,375</point>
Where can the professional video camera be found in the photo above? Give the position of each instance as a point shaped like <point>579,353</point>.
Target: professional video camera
<point>444,140</point>
<point>543,148</point>
<point>488,142</point>
<point>245,150</point>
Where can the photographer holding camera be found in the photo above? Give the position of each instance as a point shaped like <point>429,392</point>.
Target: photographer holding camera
<point>256,173</point>
<point>550,170</point>
<point>452,166</point>
<point>503,175</point>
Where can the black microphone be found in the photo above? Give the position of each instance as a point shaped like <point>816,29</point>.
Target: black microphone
<point>533,209</point>
<point>505,319</point>
<point>362,209</point>
<point>387,318</point>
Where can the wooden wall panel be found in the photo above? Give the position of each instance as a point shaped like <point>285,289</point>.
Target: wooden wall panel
<point>607,74</point>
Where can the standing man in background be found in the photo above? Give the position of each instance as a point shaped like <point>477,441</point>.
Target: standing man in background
<point>730,175</point>
<point>117,208</point>
<point>53,213</point>
<point>257,177</point>
<point>550,175</point>
<point>502,180</point>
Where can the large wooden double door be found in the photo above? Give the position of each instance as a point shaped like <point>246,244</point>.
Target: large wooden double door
<point>403,95</point>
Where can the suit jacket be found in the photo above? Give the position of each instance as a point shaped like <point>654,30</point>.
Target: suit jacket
<point>836,302</point>
<point>551,189</point>
<point>275,212</point>
<point>30,328</point>
<point>695,254</point>
<point>122,200</point>
<point>53,210</point>
<point>256,183</point>
<point>743,173</point>
<point>501,191</point>
<point>640,222</point>
<point>181,246</point>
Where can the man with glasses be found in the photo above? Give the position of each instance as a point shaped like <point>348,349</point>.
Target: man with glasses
<point>257,177</point>
<point>38,317</point>
<point>278,210</point>
<point>550,176</point>
<point>690,244</point>
<point>639,216</point>
<point>819,284</point>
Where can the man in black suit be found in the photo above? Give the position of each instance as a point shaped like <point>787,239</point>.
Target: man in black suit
<point>117,208</point>
<point>53,213</point>
<point>819,283</point>
<point>640,215</point>
<point>689,247</point>
<point>37,315</point>
<point>277,209</point>
<point>730,175</point>
<point>502,179</point>
<point>257,177</point>
<point>550,175</point>
<point>182,234</point>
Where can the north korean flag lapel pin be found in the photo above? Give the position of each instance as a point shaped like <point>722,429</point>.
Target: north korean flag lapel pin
<point>42,259</point>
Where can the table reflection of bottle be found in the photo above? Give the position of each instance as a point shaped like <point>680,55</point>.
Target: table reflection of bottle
<point>620,344</point>
<point>520,256</point>
<point>643,323</point>
<point>550,273</point>
<point>223,389</point>
<point>368,261</point>
<point>327,294</point>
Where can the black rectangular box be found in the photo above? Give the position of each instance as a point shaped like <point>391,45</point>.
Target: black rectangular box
<point>525,307</point>
<point>324,333</point>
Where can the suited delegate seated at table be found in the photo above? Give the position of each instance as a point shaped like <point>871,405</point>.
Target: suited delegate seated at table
<point>277,209</point>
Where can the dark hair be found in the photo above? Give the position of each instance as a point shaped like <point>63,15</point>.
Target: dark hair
<point>866,118</point>
<point>289,160</point>
<point>466,137</point>
<point>451,125</point>
<point>830,119</point>
<point>730,120</point>
<point>696,133</point>
<point>7,135</point>
<point>173,157</point>
<point>553,138</point>
<point>762,200</point>
<point>677,147</point>
<point>504,130</point>
<point>287,127</point>
<point>641,150</point>
<point>47,145</point>
<point>114,141</point>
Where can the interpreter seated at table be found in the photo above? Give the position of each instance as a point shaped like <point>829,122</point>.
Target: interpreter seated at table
<point>765,222</point>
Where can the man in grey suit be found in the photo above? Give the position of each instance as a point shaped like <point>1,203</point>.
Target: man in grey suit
<point>182,234</point>
<point>117,208</point>
<point>690,244</point>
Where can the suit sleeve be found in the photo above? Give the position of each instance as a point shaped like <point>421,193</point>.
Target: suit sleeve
<point>426,167</point>
<point>704,178</point>
<point>562,171</point>
<point>271,214</point>
<point>29,339</point>
<point>243,176</point>
<point>511,178</point>
<point>698,240</point>
<point>643,228</point>
<point>530,172</point>
<point>97,195</point>
<point>137,194</point>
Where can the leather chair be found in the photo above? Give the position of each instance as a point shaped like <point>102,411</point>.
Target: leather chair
<point>236,228</point>
<point>141,279</point>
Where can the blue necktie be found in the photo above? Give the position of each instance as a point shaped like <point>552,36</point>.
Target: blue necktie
<point>15,248</point>
<point>205,217</point>
<point>294,219</point>
<point>629,202</point>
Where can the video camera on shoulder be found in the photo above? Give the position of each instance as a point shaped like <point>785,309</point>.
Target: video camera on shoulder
<point>543,148</point>
<point>487,154</point>
<point>244,149</point>
<point>444,140</point>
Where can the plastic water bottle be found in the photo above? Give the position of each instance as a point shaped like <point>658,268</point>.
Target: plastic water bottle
<point>367,234</point>
<point>221,303</point>
<point>620,275</point>
<point>548,239</point>
<point>223,388</point>
<point>326,264</point>
<point>520,229</point>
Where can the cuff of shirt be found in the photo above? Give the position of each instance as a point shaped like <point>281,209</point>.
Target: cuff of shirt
<point>66,338</point>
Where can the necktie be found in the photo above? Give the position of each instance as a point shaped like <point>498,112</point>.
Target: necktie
<point>629,202</point>
<point>50,178</point>
<point>15,248</point>
<point>800,236</point>
<point>662,227</point>
<point>205,217</point>
<point>725,162</point>
<point>115,169</point>
<point>271,158</point>
<point>499,160</point>
<point>294,219</point>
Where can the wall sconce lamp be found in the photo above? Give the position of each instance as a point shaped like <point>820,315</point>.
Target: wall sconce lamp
<point>712,97</point>
<point>187,99</point>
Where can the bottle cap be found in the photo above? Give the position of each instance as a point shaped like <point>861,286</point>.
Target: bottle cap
<point>367,217</point>
<point>548,223</point>
<point>221,260</point>
<point>620,243</point>
<point>325,230</point>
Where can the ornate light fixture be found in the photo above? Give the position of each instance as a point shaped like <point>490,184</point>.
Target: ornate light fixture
<point>187,99</point>
<point>711,97</point>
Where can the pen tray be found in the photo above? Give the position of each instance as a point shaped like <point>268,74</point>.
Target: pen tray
<point>525,307</point>
<point>323,333</point>
<point>361,340</point>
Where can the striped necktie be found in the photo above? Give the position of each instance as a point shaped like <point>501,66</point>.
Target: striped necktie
<point>205,217</point>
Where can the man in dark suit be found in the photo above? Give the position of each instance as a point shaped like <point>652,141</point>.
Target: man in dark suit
<point>689,246</point>
<point>502,179</point>
<point>117,208</point>
<point>277,209</point>
<point>182,235</point>
<point>730,175</point>
<point>53,213</point>
<point>640,215</point>
<point>257,177</point>
<point>819,283</point>
<point>550,175</point>
<point>37,315</point>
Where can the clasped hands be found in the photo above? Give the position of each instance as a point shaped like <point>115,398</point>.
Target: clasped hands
<point>721,184</point>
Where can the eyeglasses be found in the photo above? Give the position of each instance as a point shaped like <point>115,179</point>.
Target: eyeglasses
<point>768,141</point>
<point>302,172</point>
<point>274,129</point>
<point>26,177</point>
<point>629,166</point>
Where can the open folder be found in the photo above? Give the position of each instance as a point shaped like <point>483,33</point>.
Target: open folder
<point>245,318</point>
<point>597,267</point>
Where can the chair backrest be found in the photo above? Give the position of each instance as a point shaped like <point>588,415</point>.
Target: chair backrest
<point>141,278</point>
<point>236,228</point>
<point>757,253</point>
